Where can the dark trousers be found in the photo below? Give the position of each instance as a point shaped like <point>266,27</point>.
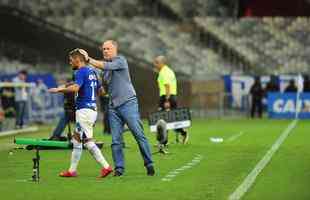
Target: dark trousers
<point>173,105</point>
<point>105,109</point>
<point>62,123</point>
<point>257,106</point>
<point>20,113</point>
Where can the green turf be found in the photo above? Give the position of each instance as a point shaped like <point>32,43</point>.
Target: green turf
<point>288,175</point>
<point>222,168</point>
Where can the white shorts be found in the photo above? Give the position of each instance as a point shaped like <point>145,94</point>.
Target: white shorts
<point>85,121</point>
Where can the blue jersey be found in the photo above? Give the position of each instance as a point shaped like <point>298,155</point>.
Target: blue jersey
<point>87,79</point>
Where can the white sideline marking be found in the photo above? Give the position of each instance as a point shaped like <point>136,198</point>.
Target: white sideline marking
<point>173,173</point>
<point>21,180</point>
<point>23,130</point>
<point>250,179</point>
<point>234,137</point>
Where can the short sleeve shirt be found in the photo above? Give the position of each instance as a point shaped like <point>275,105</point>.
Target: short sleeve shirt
<point>120,88</point>
<point>87,79</point>
<point>166,76</point>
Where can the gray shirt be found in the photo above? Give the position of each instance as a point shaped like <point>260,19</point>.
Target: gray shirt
<point>118,78</point>
<point>21,93</point>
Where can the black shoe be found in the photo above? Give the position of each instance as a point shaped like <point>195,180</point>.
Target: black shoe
<point>184,137</point>
<point>55,138</point>
<point>150,171</point>
<point>117,173</point>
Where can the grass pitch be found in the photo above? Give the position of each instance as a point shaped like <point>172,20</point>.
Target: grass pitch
<point>221,169</point>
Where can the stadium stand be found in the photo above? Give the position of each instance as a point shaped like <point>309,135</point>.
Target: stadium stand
<point>188,8</point>
<point>260,45</point>
<point>276,45</point>
<point>51,44</point>
<point>201,42</point>
<point>151,36</point>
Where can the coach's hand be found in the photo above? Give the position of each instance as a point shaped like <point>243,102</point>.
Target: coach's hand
<point>85,54</point>
<point>53,90</point>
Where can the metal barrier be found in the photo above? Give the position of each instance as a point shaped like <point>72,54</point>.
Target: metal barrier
<point>220,105</point>
<point>41,107</point>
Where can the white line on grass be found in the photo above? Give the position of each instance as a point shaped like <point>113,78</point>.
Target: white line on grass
<point>23,130</point>
<point>250,179</point>
<point>234,137</point>
<point>173,173</point>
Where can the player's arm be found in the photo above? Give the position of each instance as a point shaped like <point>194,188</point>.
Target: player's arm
<point>71,87</point>
<point>65,89</point>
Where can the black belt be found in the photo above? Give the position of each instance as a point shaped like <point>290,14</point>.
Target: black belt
<point>92,108</point>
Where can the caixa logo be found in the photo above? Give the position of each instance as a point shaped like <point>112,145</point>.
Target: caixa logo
<point>290,106</point>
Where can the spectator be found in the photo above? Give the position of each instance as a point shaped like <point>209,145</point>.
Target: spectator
<point>257,94</point>
<point>272,86</point>
<point>7,100</point>
<point>291,86</point>
<point>21,98</point>
<point>1,117</point>
<point>39,92</point>
<point>306,84</point>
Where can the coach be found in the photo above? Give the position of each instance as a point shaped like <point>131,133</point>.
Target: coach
<point>123,106</point>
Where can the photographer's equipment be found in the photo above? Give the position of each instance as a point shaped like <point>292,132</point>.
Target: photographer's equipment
<point>36,168</point>
<point>37,144</point>
<point>162,136</point>
<point>175,119</point>
<point>162,121</point>
<point>69,107</point>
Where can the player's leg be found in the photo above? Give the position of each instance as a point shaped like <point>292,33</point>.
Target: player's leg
<point>130,113</point>
<point>77,147</point>
<point>116,125</point>
<point>75,156</point>
<point>87,120</point>
<point>98,156</point>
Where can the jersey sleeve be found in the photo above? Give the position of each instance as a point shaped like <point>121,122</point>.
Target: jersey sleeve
<point>79,78</point>
<point>117,63</point>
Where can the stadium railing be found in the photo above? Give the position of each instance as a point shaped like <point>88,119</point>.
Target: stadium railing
<point>43,108</point>
<point>220,105</point>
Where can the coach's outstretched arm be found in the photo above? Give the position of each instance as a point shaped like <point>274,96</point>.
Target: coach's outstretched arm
<point>111,60</point>
<point>96,63</point>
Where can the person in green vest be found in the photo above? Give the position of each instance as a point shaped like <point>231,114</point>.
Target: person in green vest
<point>167,84</point>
